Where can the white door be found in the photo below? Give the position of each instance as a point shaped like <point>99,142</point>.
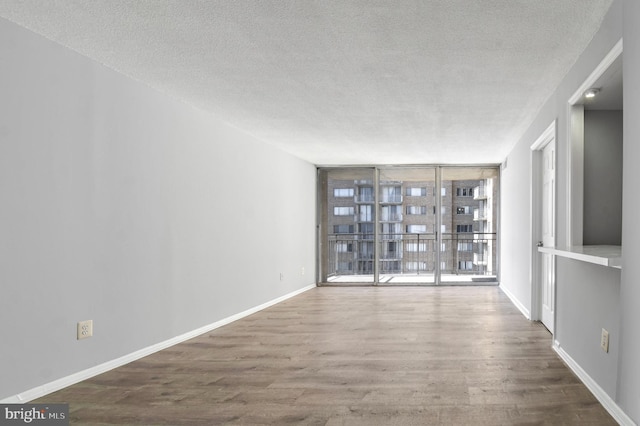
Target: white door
<point>547,261</point>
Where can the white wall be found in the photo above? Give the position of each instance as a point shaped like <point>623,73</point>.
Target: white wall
<point>515,222</point>
<point>516,177</point>
<point>629,369</point>
<point>135,210</point>
<point>588,297</point>
<point>588,300</point>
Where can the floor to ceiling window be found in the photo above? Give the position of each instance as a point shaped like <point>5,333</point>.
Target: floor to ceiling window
<point>407,242</point>
<point>408,225</point>
<point>469,207</point>
<point>348,239</point>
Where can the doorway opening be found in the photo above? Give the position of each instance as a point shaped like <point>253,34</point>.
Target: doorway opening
<point>543,227</point>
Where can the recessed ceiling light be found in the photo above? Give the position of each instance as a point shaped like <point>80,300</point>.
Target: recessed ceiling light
<point>591,93</point>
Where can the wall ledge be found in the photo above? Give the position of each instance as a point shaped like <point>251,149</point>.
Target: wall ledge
<point>604,255</point>
<point>40,391</point>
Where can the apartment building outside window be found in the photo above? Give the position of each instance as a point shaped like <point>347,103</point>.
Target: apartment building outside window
<point>391,213</point>
<point>344,247</point>
<point>417,210</point>
<point>382,221</point>
<point>413,246</point>
<point>343,229</point>
<point>465,246</point>
<point>343,192</point>
<point>391,194</point>
<point>366,213</point>
<point>464,228</point>
<point>416,229</point>
<point>465,265</point>
<point>416,266</point>
<point>417,191</point>
<point>343,211</point>
<point>365,194</point>
<point>464,192</point>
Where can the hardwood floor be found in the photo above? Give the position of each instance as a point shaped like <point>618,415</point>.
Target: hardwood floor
<point>351,356</point>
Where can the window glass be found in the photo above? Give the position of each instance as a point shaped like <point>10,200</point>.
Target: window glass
<point>343,192</point>
<point>415,229</point>
<point>343,211</point>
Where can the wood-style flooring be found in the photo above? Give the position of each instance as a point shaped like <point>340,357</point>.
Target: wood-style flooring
<point>351,356</point>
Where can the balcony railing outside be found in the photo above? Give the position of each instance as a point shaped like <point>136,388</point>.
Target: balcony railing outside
<point>457,259</point>
<point>364,198</point>
<point>480,214</point>
<point>391,198</point>
<point>398,236</point>
<point>480,193</point>
<point>460,253</point>
<point>390,217</point>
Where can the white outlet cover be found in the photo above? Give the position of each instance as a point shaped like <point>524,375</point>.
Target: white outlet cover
<point>604,342</point>
<point>85,329</point>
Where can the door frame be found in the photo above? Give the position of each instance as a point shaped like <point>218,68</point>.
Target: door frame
<point>549,136</point>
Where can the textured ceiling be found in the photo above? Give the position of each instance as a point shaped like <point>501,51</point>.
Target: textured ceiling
<point>340,81</point>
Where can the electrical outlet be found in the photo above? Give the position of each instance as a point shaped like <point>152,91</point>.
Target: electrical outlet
<point>302,271</point>
<point>604,340</point>
<point>85,329</point>
<point>281,276</point>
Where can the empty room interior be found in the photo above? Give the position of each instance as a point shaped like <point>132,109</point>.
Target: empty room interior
<point>323,212</point>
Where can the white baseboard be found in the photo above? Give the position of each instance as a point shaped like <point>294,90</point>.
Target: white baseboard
<point>516,302</point>
<point>56,385</point>
<point>606,401</point>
